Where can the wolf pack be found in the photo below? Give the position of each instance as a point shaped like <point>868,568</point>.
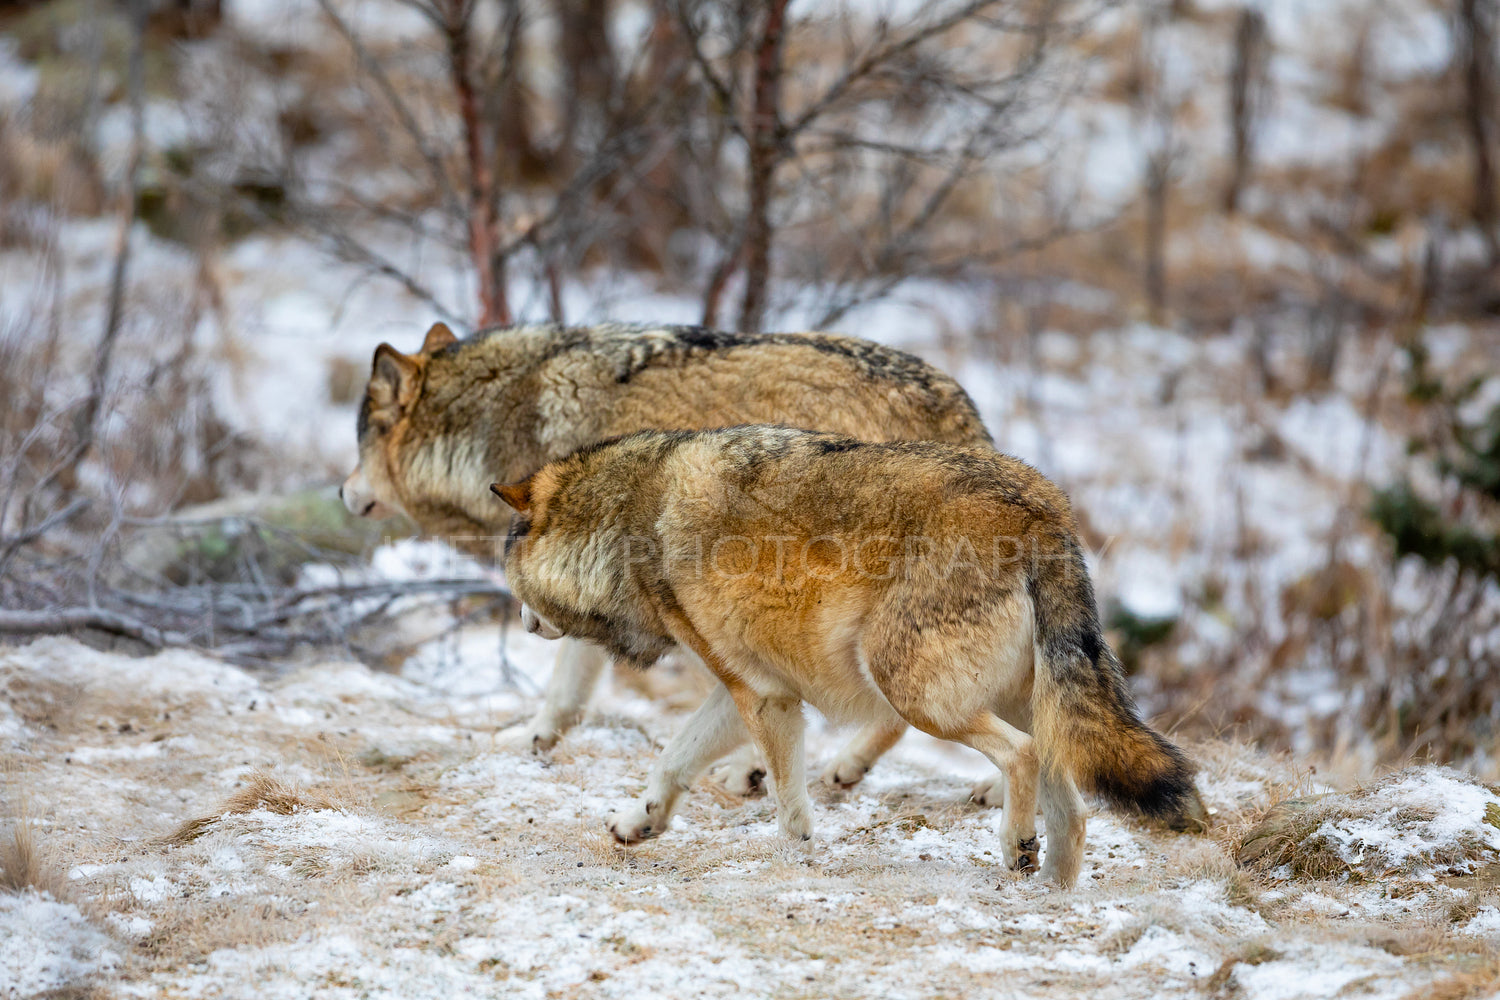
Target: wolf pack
<point>815,518</point>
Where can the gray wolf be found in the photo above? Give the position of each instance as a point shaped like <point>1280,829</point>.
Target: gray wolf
<point>436,427</point>
<point>898,583</point>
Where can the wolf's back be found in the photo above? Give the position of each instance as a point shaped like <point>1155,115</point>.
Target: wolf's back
<point>685,377</point>
<point>1085,721</point>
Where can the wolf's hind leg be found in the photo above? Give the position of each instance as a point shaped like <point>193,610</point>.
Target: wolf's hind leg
<point>869,745</point>
<point>1066,818</point>
<point>709,733</point>
<point>1013,752</point>
<point>574,674</point>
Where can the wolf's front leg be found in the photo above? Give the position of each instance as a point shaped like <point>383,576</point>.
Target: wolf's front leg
<point>776,725</point>
<point>989,791</point>
<point>742,773</point>
<point>709,733</point>
<point>856,759</point>
<point>574,674</point>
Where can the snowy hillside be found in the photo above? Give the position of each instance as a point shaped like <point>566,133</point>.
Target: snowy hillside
<point>1222,271</point>
<point>338,833</point>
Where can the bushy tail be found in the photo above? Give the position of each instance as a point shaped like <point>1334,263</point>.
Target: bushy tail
<point>1083,717</point>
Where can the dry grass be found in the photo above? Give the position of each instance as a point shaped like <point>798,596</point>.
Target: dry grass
<point>189,930</point>
<point>25,864</point>
<point>1470,984</point>
<point>1222,983</point>
<point>76,991</point>
<point>261,790</point>
<point>1288,834</point>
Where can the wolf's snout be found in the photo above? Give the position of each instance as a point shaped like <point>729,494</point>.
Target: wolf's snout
<point>537,625</point>
<point>358,499</point>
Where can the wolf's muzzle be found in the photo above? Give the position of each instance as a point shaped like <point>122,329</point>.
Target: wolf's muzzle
<point>537,625</point>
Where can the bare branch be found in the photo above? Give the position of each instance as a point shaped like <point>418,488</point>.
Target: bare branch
<point>393,97</point>
<point>73,619</point>
<point>879,55</point>
<point>9,546</point>
<point>723,90</point>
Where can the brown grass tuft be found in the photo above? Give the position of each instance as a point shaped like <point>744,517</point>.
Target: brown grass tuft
<point>1288,834</point>
<point>1468,984</point>
<point>194,929</point>
<point>1221,983</point>
<point>24,865</point>
<point>262,790</point>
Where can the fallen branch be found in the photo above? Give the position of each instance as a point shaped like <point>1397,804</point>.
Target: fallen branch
<point>52,622</point>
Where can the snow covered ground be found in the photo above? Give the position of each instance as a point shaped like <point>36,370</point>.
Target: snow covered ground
<point>333,832</point>
<point>341,833</point>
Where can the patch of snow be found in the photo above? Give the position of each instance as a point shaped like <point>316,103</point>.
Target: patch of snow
<point>46,945</point>
<point>1424,813</point>
<point>170,679</point>
<point>1314,971</point>
<point>1485,923</point>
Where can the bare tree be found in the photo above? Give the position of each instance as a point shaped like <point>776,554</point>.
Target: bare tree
<point>529,179</point>
<point>1476,49</point>
<point>765,137</point>
<point>822,154</point>
<point>1247,87</point>
<point>1156,108</point>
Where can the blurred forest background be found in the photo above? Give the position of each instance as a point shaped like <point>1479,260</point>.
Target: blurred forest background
<point>1228,271</point>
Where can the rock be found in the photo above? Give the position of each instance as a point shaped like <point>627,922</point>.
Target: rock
<point>1268,842</point>
<point>279,534</point>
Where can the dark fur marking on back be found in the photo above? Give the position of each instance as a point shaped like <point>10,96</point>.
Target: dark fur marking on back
<point>702,338</point>
<point>825,446</point>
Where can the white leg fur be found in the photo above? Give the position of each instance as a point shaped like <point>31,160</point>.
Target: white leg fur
<point>709,733</point>
<point>742,772</point>
<point>989,792</point>
<point>776,725</point>
<point>574,674</point>
<point>1065,816</point>
<point>1013,752</point>
<point>868,746</point>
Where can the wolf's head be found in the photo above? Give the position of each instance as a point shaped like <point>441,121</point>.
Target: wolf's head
<point>396,382</point>
<point>569,559</point>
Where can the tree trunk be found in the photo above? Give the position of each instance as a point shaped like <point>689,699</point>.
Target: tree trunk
<point>484,199</point>
<point>1246,78</point>
<point>1158,181</point>
<point>766,138</point>
<point>588,64</point>
<point>1477,28</point>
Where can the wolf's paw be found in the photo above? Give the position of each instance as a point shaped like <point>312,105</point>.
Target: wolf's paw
<point>796,826</point>
<point>845,772</point>
<point>739,777</point>
<point>989,792</point>
<point>638,823</point>
<point>1027,853</point>
<point>527,737</point>
<point>1052,873</point>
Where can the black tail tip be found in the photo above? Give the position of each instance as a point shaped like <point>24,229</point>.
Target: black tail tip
<point>1164,791</point>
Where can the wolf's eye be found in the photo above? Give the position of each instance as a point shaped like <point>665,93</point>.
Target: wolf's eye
<point>520,527</point>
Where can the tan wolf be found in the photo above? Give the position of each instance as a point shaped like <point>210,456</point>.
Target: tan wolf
<point>912,582</point>
<point>437,427</point>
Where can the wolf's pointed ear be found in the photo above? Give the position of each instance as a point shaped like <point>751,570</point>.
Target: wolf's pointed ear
<point>517,495</point>
<point>438,337</point>
<point>393,378</point>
